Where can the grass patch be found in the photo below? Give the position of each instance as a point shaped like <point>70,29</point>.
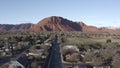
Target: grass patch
<point>76,40</point>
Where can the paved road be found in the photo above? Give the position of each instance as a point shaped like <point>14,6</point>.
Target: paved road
<point>54,58</point>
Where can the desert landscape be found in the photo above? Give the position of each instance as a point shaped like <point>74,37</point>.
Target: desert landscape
<point>59,34</point>
<point>80,44</point>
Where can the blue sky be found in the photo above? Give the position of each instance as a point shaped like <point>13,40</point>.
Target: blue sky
<point>91,12</point>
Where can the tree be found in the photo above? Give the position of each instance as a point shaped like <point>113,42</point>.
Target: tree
<point>97,61</point>
<point>63,40</point>
<point>108,41</point>
<point>81,47</point>
<point>19,67</point>
<point>116,61</point>
<point>1,45</point>
<point>34,64</point>
<point>98,45</point>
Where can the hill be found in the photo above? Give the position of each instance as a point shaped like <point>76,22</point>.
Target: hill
<point>11,27</point>
<point>56,23</point>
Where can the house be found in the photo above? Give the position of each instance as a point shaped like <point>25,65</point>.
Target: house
<point>15,64</point>
<point>71,47</point>
<point>40,51</point>
<point>1,52</point>
<point>101,67</point>
<point>23,61</point>
<point>73,65</point>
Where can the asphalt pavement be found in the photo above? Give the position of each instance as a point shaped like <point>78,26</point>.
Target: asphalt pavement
<point>54,58</point>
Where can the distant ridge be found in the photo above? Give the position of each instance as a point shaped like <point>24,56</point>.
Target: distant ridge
<point>12,27</point>
<point>56,23</point>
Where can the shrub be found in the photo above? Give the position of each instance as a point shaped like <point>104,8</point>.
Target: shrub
<point>108,41</point>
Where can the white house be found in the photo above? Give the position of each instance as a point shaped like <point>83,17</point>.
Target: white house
<point>14,64</point>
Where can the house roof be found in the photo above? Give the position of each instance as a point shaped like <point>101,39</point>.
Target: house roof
<point>23,61</point>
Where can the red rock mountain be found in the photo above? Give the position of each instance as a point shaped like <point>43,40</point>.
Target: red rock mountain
<point>56,24</point>
<point>86,28</point>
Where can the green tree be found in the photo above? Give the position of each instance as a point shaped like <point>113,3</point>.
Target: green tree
<point>108,41</point>
<point>98,45</point>
<point>63,40</point>
<point>81,47</point>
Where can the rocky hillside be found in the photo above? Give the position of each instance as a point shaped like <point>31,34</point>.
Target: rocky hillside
<point>56,24</point>
<point>11,27</point>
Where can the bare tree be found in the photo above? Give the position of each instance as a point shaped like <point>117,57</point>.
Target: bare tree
<point>116,61</point>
